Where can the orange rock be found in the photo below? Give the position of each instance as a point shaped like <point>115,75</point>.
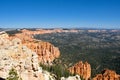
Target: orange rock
<point>107,75</point>
<point>45,50</point>
<point>82,69</point>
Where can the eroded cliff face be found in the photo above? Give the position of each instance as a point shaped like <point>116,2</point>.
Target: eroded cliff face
<point>19,52</point>
<point>82,69</point>
<point>107,75</point>
<point>13,54</point>
<point>46,51</point>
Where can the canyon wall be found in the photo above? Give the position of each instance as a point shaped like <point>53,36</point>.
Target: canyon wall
<point>46,51</point>
<point>23,53</point>
<point>82,69</point>
<point>107,75</point>
<point>15,55</point>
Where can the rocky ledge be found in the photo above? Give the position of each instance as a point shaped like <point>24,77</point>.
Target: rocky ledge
<point>15,55</point>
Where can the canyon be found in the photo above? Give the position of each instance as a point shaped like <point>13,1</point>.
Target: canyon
<point>24,53</point>
<point>46,51</point>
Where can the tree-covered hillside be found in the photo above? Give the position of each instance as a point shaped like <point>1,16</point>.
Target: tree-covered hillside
<point>100,49</point>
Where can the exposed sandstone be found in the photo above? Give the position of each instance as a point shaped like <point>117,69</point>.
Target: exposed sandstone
<point>13,54</point>
<point>46,51</point>
<point>77,77</point>
<point>107,75</point>
<point>82,69</point>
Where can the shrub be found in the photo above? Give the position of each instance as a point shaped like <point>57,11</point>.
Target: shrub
<point>56,69</point>
<point>13,75</point>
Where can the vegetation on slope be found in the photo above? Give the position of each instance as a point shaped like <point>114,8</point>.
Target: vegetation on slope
<point>101,50</point>
<point>56,69</point>
<point>12,32</point>
<point>13,75</point>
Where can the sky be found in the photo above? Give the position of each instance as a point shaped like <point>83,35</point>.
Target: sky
<point>60,14</point>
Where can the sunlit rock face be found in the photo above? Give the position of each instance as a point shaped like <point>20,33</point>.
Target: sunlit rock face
<point>13,54</point>
<point>107,75</point>
<point>46,51</point>
<point>82,69</point>
<point>44,31</point>
<point>77,77</point>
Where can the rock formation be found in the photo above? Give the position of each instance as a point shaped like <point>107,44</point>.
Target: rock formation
<point>45,50</point>
<point>107,75</point>
<point>82,69</point>
<point>13,54</point>
<point>44,31</point>
<point>77,77</point>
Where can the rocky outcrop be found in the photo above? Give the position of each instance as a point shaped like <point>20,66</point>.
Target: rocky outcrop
<point>46,51</point>
<point>13,54</point>
<point>107,75</point>
<point>77,77</point>
<point>82,69</point>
